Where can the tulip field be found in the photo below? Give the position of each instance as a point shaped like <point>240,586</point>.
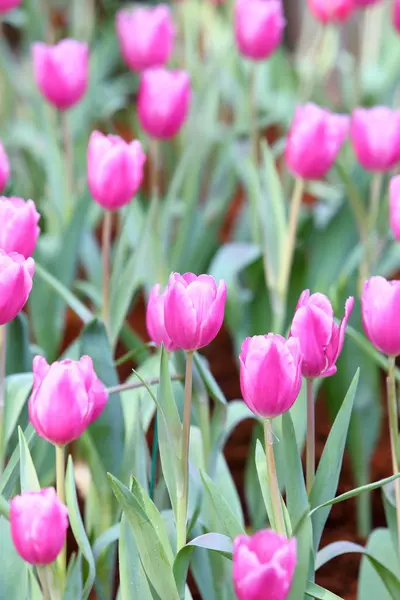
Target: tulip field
<point>199,300</point>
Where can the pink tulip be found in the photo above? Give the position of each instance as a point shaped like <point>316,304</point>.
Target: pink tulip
<point>263,565</point>
<point>115,169</point>
<point>331,11</point>
<point>380,304</point>
<point>4,168</point>
<point>321,340</point>
<point>270,373</point>
<point>19,229</point>
<point>146,36</point>
<point>66,397</point>
<point>6,5</point>
<point>164,100</point>
<point>61,71</point>
<point>364,3</point>
<point>396,15</point>
<point>39,523</point>
<point>394,206</point>
<point>375,135</point>
<point>155,320</point>
<point>314,141</point>
<point>259,26</point>
<point>16,274</point>
<point>193,310</point>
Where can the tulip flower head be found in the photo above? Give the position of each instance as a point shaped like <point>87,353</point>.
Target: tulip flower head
<point>4,168</point>
<point>365,3</point>
<point>314,141</point>
<point>259,26</point>
<point>321,340</point>
<point>7,5</point>
<point>39,523</point>
<point>155,321</point>
<point>375,135</point>
<point>270,373</point>
<point>19,229</point>
<point>146,36</point>
<point>61,71</point>
<point>394,206</point>
<point>380,305</point>
<point>66,397</point>
<point>331,11</point>
<point>263,565</point>
<point>16,275</point>
<point>396,15</point>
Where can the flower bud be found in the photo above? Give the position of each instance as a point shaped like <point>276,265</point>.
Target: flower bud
<point>163,104</point>
<point>61,71</point>
<point>270,373</point>
<point>380,305</point>
<point>263,562</point>
<point>146,36</point>
<point>155,320</point>
<point>375,135</point>
<point>39,523</point>
<point>66,397</point>
<point>19,229</point>
<point>6,5</point>
<point>16,274</point>
<point>259,26</point>
<point>115,169</point>
<point>394,206</point>
<point>314,141</point>
<point>4,168</point>
<point>331,11</point>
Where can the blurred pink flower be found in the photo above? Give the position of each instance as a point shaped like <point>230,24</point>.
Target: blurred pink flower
<point>16,274</point>
<point>394,206</point>
<point>259,26</point>
<point>6,5</point>
<point>364,3</point>
<point>331,11</point>
<point>155,321</point>
<point>4,168</point>
<point>375,135</point>
<point>396,15</point>
<point>19,229</point>
<point>380,304</point>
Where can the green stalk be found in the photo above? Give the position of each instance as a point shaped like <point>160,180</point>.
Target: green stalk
<point>310,450</point>
<point>106,267</point>
<point>3,355</point>
<point>394,435</point>
<point>60,482</point>
<point>273,478</point>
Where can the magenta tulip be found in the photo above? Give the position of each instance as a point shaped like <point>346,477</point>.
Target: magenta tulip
<point>66,397</point>
<point>365,3</point>
<point>4,168</point>
<point>61,71</point>
<point>375,135</point>
<point>321,340</point>
<point>314,141</point>
<point>380,304</point>
<point>396,15</point>
<point>19,229</point>
<point>16,274</point>
<point>259,26</point>
<point>114,169</point>
<point>164,100</point>
<point>39,523</point>
<point>146,36</point>
<point>270,373</point>
<point>155,320</point>
<point>6,5</point>
<point>394,206</point>
<point>331,11</point>
<point>193,309</point>
<point>263,565</point>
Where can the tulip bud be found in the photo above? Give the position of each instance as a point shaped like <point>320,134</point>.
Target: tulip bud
<point>115,169</point>
<point>61,71</point>
<point>155,320</point>
<point>321,340</point>
<point>394,206</point>
<point>4,168</point>
<point>263,563</point>
<point>6,5</point>
<point>66,397</point>
<point>396,15</point>
<point>193,310</point>
<point>331,11</point>
<point>375,135</point>
<point>163,103</point>
<point>314,141</point>
<point>270,373</point>
<point>146,36</point>
<point>259,26</point>
<point>18,226</point>
<point>39,523</point>
<point>380,305</point>
<point>16,274</point>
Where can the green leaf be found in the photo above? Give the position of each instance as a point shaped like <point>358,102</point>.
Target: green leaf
<point>389,504</point>
<point>229,523</point>
<point>11,472</point>
<point>18,359</point>
<point>316,591</point>
<point>14,571</point>
<point>28,475</point>
<point>379,574</point>
<point>133,580</point>
<point>74,586</point>
<point>17,390</point>
<point>105,540</point>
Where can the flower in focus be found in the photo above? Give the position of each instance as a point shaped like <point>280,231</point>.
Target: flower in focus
<point>375,135</point>
<point>16,275</point>
<point>19,229</point>
<point>155,319</point>
<point>4,168</point>
<point>259,26</point>
<point>394,206</point>
<point>380,305</point>
<point>331,11</point>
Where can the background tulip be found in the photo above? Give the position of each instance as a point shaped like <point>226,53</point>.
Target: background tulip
<point>270,373</point>
<point>115,169</point>
<point>394,206</point>
<point>259,26</point>
<point>193,309</point>
<point>39,523</point>
<point>163,104</point>
<point>155,319</point>
<point>364,3</point>
<point>375,135</point>
<point>19,229</point>
<point>146,36</point>
<point>263,564</point>
<point>331,11</point>
<point>66,397</point>
<point>396,15</point>
<point>380,303</point>
<point>321,340</point>
<point>4,168</point>
<point>314,141</point>
<point>6,5</point>
<point>61,71</point>
<point>16,274</point>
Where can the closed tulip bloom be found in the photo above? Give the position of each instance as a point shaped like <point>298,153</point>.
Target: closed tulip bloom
<point>19,229</point>
<point>193,309</point>
<point>375,135</point>
<point>259,26</point>
<point>61,71</point>
<point>380,304</point>
<point>396,15</point>
<point>270,373</point>
<point>115,169</point>
<point>321,340</point>
<point>394,206</point>
<point>6,5</point>
<point>39,523</point>
<point>331,11</point>
<point>66,397</point>
<point>155,320</point>
<point>4,168</point>
<point>146,36</point>
<point>263,565</point>
<point>163,103</point>
<point>314,141</point>
<point>16,274</point>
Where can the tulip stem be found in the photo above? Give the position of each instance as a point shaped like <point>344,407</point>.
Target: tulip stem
<point>69,163</point>
<point>42,574</point>
<point>3,355</point>
<point>183,490</point>
<point>374,198</point>
<point>394,435</point>
<point>106,249</point>
<point>273,478</point>
<point>60,482</point>
<point>310,450</point>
